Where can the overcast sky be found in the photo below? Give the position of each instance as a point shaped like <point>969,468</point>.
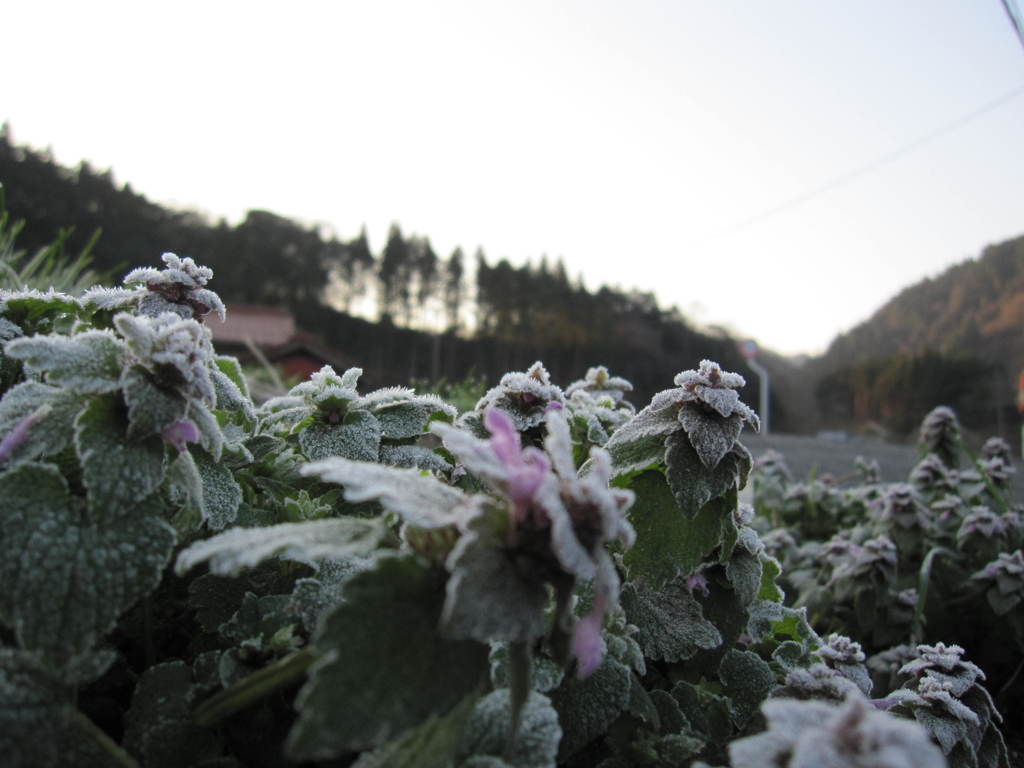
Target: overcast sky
<point>688,148</point>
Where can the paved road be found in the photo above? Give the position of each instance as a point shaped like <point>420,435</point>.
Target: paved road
<point>837,456</point>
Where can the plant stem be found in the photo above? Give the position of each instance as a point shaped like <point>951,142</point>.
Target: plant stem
<point>253,688</point>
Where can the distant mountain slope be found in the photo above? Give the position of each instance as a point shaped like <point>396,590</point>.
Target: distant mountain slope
<point>955,339</point>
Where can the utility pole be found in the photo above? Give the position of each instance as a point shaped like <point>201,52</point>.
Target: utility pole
<point>749,350</point>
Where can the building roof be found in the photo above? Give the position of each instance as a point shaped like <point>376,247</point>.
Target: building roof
<point>263,326</point>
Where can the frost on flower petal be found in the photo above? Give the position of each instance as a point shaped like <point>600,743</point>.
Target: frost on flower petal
<point>180,433</point>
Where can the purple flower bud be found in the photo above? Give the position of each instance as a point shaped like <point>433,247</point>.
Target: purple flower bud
<point>525,468</point>
<point>554,405</point>
<point>19,434</point>
<point>697,581</point>
<point>586,642</point>
<point>181,432</point>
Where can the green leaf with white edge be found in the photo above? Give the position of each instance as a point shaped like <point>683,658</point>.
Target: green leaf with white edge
<point>384,667</point>
<point>744,572</point>
<point>151,408</point>
<point>640,442</point>
<point>490,595</point>
<point>85,576</point>
<point>671,622</point>
<point>356,437</point>
<point>56,409</point>
<point>431,744</point>
<point>211,438</point>
<point>117,472</point>
<point>231,368</point>
<point>692,483</point>
<point>487,734</point>
<point>771,569</point>
<point>35,308</point>
<point>238,549</point>
<point>88,363</point>
<point>748,680</point>
<point>409,418</point>
<point>586,708</point>
<point>185,485</point>
<point>34,709</point>
<point>221,492</point>
<point>667,542</point>
<point>230,397</point>
<point>413,456</point>
<point>419,499</point>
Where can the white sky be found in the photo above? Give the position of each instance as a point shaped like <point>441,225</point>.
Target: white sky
<point>636,139</point>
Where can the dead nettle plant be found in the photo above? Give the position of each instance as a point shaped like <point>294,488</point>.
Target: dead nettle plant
<point>551,578</point>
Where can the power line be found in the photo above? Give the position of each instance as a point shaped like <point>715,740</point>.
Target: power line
<point>884,159</point>
<point>1015,18</point>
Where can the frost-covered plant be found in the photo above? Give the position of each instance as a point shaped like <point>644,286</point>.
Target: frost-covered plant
<point>524,396</point>
<point>983,534</point>
<point>940,434</point>
<point>904,518</point>
<point>331,418</point>
<point>943,693</point>
<point>602,386</point>
<point>802,734</point>
<point>933,477</point>
<point>1003,581</point>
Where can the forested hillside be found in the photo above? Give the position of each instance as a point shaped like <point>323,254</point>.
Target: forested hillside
<point>956,339</point>
<point>422,315</point>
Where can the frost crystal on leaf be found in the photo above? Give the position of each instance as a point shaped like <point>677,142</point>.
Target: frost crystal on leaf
<point>523,396</point>
<point>177,351</point>
<point>602,386</point>
<point>809,734</point>
<point>178,288</point>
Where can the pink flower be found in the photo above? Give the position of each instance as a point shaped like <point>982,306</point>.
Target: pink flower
<point>181,432</point>
<point>525,468</point>
<point>587,646</point>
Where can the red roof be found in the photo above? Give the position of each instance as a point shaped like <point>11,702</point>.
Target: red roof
<point>264,326</point>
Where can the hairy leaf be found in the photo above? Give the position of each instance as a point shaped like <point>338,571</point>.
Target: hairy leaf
<point>419,499</point>
<point>65,581</point>
<point>238,549</point>
<point>151,408</point>
<point>384,667</point>
<point>694,484</point>
<point>671,621</point>
<point>87,363</point>
<point>667,542</point>
<point>586,708</point>
<point>490,595</point>
<point>748,680</point>
<point>535,744</point>
<point>357,437</point>
<point>33,710</point>
<point>51,430</point>
<point>117,472</point>
<point>221,492</point>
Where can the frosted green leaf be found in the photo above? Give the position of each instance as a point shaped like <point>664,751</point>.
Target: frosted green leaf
<point>231,368</point>
<point>238,549</point>
<point>743,570</point>
<point>221,492</point>
<point>116,471</point>
<point>357,437</point>
<point>111,299</point>
<point>546,673</point>
<point>159,730</point>
<point>490,595</point>
<point>413,456</point>
<point>431,744</point>
<point>640,442</point>
<point>211,438</point>
<point>229,396</point>
<point>671,622</point>
<point>88,363</point>
<point>9,330</point>
<point>748,680</point>
<point>33,710</point>
<point>30,307</point>
<point>66,582</point>
<point>763,616</point>
<point>586,708</point>
<point>383,667</point>
<point>151,408</point>
<point>185,484</point>
<point>813,734</point>
<point>692,483</point>
<point>52,431</point>
<point>409,418</point>
<point>487,733</point>
<point>711,435</point>
<point>667,542</point>
<point>420,499</point>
